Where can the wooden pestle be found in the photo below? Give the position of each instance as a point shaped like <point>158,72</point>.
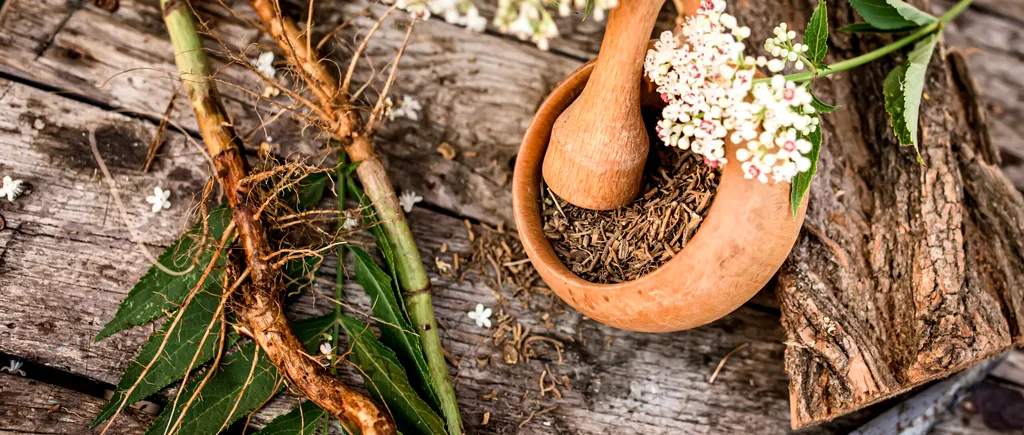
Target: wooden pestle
<point>599,145</point>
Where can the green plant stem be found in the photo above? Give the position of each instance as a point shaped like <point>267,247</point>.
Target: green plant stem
<point>339,269</point>
<point>259,307</point>
<point>347,127</point>
<point>870,56</point>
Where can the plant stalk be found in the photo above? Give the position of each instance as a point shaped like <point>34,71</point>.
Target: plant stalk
<point>880,52</point>
<point>346,126</point>
<point>260,310</point>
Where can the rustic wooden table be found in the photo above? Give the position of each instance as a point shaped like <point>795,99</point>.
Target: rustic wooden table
<point>67,258</point>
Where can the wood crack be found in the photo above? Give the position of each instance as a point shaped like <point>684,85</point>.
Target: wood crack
<point>76,5</point>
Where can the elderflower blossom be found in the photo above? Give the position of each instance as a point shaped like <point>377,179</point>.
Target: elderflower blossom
<point>409,107</point>
<point>528,20</point>
<point>708,86</point>
<point>459,12</point>
<point>482,316</point>
<point>160,199</point>
<point>408,200</point>
<point>265,64</point>
<point>326,348</point>
<point>350,223</point>
<point>11,188</point>
<point>14,368</point>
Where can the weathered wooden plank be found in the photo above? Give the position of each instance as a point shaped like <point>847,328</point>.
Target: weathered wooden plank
<point>963,419</point>
<point>64,268</point>
<point>33,407</point>
<point>99,38</point>
<point>491,86</point>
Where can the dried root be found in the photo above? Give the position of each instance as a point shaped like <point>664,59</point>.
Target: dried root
<point>260,310</point>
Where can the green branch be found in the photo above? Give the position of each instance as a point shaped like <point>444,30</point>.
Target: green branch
<point>878,53</point>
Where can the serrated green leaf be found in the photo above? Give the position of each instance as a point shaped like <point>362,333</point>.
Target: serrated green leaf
<point>816,34</point>
<point>211,409</point>
<point>868,28</point>
<point>892,90</point>
<point>822,107</point>
<point>802,181</point>
<point>396,330</point>
<point>891,14</point>
<point>903,89</point>
<point>302,420</point>
<point>387,380</point>
<point>157,293</point>
<point>177,354</point>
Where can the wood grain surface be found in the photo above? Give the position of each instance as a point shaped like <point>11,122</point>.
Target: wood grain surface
<point>66,259</point>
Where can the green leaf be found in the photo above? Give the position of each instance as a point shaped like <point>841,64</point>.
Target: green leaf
<point>821,107</point>
<point>211,409</point>
<point>157,293</point>
<point>903,89</point>
<point>310,190</point>
<point>177,355</point>
<point>891,14</point>
<point>586,11</point>
<point>386,380</point>
<point>816,34</point>
<point>396,330</point>
<point>370,221</point>
<point>867,28</point>
<point>802,181</point>
<point>383,244</point>
<point>299,275</point>
<point>302,420</point>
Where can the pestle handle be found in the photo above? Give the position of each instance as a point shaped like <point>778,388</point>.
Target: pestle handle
<point>619,64</point>
<point>595,158</point>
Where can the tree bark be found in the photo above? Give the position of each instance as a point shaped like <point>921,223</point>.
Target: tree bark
<point>903,273</point>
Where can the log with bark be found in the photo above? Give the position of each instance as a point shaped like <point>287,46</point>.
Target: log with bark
<point>903,273</point>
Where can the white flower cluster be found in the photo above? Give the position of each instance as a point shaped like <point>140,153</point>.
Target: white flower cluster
<point>783,49</point>
<point>708,86</point>
<point>530,20</point>
<point>460,12</point>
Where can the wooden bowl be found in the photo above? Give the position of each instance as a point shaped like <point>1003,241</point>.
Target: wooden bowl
<point>747,234</point>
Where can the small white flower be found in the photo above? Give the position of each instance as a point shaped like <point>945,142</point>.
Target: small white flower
<point>265,64</point>
<point>15,366</point>
<point>160,199</point>
<point>482,316</point>
<point>408,199</point>
<point>326,348</point>
<point>474,21</point>
<point>351,223</point>
<point>408,108</point>
<point>11,189</point>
